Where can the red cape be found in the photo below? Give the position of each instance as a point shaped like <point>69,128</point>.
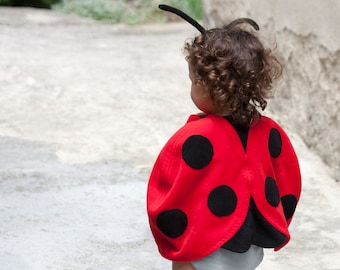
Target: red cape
<point>202,184</point>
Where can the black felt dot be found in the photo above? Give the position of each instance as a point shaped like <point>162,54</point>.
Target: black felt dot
<point>197,151</point>
<point>274,143</point>
<point>272,192</point>
<point>172,222</point>
<point>222,201</point>
<point>289,203</point>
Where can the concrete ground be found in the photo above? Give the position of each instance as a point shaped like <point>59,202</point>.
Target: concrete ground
<point>84,110</point>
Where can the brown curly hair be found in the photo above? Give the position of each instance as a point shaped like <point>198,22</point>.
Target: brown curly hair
<point>236,69</point>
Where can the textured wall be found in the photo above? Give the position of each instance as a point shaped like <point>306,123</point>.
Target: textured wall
<point>307,36</point>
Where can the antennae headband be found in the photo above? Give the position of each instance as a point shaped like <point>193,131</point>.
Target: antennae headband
<point>199,27</point>
<point>184,16</point>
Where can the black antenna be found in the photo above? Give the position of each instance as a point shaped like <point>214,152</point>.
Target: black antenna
<point>244,20</point>
<point>183,16</point>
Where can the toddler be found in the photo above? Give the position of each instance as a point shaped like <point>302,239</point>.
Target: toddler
<point>227,183</point>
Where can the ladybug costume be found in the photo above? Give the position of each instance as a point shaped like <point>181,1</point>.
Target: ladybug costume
<point>216,184</point>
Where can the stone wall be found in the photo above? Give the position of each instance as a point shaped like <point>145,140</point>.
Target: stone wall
<point>307,40</point>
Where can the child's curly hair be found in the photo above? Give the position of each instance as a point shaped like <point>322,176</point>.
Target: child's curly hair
<point>236,69</point>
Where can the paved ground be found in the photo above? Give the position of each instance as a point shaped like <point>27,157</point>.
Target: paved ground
<point>85,109</point>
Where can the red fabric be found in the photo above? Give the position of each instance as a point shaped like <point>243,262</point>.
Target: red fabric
<point>175,185</point>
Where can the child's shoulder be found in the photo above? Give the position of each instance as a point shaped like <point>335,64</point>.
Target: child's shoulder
<point>211,125</point>
<point>202,126</point>
<point>195,117</point>
<point>198,124</point>
<point>202,123</point>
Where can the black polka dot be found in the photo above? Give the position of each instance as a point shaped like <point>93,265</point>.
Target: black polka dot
<point>272,192</point>
<point>289,203</point>
<point>172,222</point>
<point>222,201</point>
<point>274,143</point>
<point>197,151</point>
